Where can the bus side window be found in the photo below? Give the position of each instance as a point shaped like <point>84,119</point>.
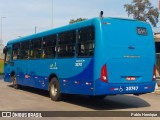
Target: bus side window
<point>8,55</point>
<point>15,51</point>
<point>24,50</point>
<point>35,48</point>
<point>66,44</point>
<point>49,45</point>
<point>86,38</point>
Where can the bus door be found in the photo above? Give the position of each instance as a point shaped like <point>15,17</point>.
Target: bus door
<point>25,64</point>
<point>157,45</point>
<point>28,75</point>
<point>7,63</point>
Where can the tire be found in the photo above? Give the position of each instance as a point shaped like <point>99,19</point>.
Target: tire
<point>54,89</point>
<point>14,81</point>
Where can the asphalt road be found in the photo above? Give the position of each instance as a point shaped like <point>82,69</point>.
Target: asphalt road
<point>30,99</point>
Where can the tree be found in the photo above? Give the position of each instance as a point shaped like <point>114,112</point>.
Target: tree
<point>143,10</point>
<point>76,20</point>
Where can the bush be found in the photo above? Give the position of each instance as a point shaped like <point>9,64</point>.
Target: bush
<point>1,67</point>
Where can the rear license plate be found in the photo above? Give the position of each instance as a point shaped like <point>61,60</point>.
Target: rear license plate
<point>130,78</point>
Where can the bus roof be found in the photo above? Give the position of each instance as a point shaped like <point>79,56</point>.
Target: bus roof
<point>63,29</point>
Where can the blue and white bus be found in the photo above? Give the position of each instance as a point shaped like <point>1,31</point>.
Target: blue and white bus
<point>95,57</point>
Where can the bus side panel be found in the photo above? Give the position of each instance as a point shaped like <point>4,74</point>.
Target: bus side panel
<point>41,82</point>
<point>82,81</point>
<point>79,78</point>
<point>7,77</point>
<point>38,73</point>
<point>18,70</point>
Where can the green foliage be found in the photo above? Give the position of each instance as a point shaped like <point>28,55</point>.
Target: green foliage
<point>143,10</point>
<point>76,20</point>
<point>1,66</point>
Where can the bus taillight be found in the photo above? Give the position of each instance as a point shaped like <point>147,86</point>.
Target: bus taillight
<point>104,76</point>
<point>154,73</point>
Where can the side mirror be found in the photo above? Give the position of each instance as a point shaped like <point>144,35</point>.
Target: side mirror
<point>5,50</point>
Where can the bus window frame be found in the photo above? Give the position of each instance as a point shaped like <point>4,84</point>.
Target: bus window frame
<point>18,54</point>
<point>55,47</point>
<point>74,31</point>
<point>23,50</point>
<point>8,61</point>
<point>78,43</point>
<point>40,39</point>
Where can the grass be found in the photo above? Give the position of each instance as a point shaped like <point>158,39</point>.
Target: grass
<point>1,67</point>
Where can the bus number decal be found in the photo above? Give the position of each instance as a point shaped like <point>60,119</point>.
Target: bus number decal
<point>132,88</point>
<point>79,63</point>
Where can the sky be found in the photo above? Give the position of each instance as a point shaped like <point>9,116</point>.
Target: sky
<point>22,16</point>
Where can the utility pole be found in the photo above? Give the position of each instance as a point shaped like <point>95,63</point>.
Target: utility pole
<point>35,29</point>
<point>158,4</point>
<point>52,15</point>
<point>1,40</point>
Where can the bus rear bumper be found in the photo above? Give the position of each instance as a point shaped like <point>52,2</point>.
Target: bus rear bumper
<point>102,88</point>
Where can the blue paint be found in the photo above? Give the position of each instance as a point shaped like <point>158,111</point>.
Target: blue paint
<point>117,45</point>
<point>105,88</point>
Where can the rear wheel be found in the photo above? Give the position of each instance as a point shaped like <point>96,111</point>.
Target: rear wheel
<point>54,89</point>
<point>14,81</point>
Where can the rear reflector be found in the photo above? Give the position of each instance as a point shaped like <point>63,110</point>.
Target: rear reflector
<point>154,73</point>
<point>104,76</point>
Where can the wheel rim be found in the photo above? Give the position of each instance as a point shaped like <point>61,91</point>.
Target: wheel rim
<point>54,89</point>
